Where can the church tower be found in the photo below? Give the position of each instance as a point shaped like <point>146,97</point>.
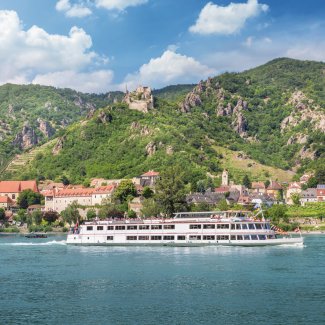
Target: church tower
<point>225,180</point>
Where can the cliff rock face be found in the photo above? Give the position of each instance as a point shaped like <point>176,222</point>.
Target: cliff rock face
<point>304,110</point>
<point>46,128</point>
<point>104,117</point>
<point>191,100</point>
<point>26,138</point>
<point>140,100</point>
<point>151,148</point>
<point>240,123</point>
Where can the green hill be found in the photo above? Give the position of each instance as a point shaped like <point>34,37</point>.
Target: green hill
<point>272,115</point>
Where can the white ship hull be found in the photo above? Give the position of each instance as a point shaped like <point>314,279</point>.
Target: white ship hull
<point>191,229</point>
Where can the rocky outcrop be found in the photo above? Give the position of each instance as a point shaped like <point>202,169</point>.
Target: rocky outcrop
<point>58,146</point>
<point>169,150</point>
<point>104,117</point>
<point>142,130</point>
<point>46,128</point>
<point>151,148</point>
<point>191,100</point>
<point>26,138</point>
<point>90,114</point>
<point>306,153</point>
<point>298,138</point>
<point>240,124</point>
<point>304,110</point>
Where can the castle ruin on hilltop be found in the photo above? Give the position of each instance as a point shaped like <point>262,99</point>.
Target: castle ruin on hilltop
<point>141,99</point>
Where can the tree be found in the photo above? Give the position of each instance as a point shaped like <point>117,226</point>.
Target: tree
<point>2,214</point>
<point>320,175</point>
<point>71,214</point>
<point>223,205</point>
<point>91,214</point>
<point>132,214</point>
<point>65,180</point>
<point>312,182</point>
<point>170,191</point>
<point>277,212</point>
<point>37,217</point>
<point>147,192</point>
<point>125,191</point>
<point>246,181</point>
<point>28,197</point>
<point>295,197</point>
<point>200,186</point>
<point>50,216</point>
<point>110,211</point>
<point>149,208</point>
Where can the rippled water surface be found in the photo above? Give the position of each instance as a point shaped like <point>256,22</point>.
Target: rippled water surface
<point>44,281</point>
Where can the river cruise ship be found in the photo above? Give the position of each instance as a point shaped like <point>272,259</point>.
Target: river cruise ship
<point>231,228</point>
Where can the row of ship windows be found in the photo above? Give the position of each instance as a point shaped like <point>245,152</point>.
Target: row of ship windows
<point>244,226</point>
<point>196,237</point>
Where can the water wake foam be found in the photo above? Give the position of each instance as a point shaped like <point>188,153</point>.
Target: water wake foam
<point>50,243</point>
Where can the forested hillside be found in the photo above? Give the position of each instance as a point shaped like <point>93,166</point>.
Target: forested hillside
<point>273,114</point>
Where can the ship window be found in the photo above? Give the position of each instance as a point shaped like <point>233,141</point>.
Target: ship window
<point>89,228</point>
<point>180,237</point>
<point>131,237</point>
<point>209,226</point>
<point>132,227</point>
<point>155,237</point>
<point>223,226</point>
<point>239,237</point>
<point>156,227</point>
<point>195,237</point>
<point>238,226</point>
<point>251,226</point>
<point>143,237</point>
<point>222,237</point>
<point>119,227</point>
<point>254,237</point>
<point>100,228</point>
<point>233,226</point>
<point>246,237</point>
<point>169,226</point>
<point>143,227</point>
<point>110,238</point>
<point>244,226</point>
<point>261,237</point>
<point>169,237</point>
<point>110,227</point>
<point>267,226</point>
<point>195,226</point>
<point>208,237</point>
<point>233,237</point>
<point>258,226</point>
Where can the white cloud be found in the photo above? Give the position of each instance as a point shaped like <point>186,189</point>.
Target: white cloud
<point>75,10</point>
<point>170,68</point>
<point>92,82</point>
<point>214,19</point>
<point>35,54</point>
<point>119,5</point>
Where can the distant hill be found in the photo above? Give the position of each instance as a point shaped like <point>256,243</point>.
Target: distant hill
<point>272,115</point>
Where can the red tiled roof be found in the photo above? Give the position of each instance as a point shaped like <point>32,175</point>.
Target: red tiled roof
<point>29,185</point>
<point>222,189</point>
<point>84,191</point>
<point>104,189</point>
<point>17,186</point>
<point>5,199</point>
<point>274,186</point>
<point>256,185</point>
<point>151,173</point>
<point>294,185</point>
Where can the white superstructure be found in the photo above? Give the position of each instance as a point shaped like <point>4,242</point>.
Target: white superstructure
<point>185,229</point>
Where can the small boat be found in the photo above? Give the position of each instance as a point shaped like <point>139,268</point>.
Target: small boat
<point>36,235</point>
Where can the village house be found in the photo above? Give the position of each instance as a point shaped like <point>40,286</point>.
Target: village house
<point>60,199</point>
<point>258,187</point>
<point>12,189</point>
<point>293,188</point>
<point>274,189</point>
<point>6,202</point>
<point>308,196</point>
<point>149,178</point>
<point>320,190</point>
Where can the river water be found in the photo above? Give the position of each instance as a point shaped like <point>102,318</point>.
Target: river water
<point>45,281</point>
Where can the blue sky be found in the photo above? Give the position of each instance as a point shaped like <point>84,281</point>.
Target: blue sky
<point>102,45</point>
